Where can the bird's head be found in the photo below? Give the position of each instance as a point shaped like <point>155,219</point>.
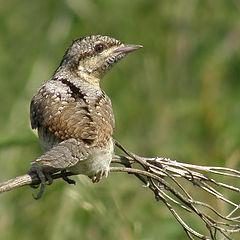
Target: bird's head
<point>91,57</point>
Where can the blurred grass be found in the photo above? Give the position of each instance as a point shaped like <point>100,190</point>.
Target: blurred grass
<point>177,97</point>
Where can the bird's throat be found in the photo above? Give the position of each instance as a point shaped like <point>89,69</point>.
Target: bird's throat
<point>88,77</point>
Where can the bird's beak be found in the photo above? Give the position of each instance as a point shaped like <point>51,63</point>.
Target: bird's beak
<point>127,48</point>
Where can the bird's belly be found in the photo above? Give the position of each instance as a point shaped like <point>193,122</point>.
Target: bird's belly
<point>98,161</point>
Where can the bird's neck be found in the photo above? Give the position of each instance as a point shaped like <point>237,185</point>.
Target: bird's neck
<point>62,72</point>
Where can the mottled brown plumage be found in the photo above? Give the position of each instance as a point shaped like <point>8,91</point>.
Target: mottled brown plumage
<point>85,116</point>
<point>72,114</point>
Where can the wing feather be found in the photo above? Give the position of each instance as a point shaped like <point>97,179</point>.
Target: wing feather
<point>89,121</point>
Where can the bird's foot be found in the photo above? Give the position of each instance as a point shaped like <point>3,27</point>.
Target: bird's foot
<point>96,178</point>
<point>44,176</point>
<point>66,178</point>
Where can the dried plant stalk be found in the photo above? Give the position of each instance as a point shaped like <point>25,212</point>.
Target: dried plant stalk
<point>164,177</point>
<point>169,181</point>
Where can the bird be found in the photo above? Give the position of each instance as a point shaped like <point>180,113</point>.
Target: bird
<point>73,116</point>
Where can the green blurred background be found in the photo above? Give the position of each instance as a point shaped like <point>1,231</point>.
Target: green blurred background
<point>177,97</point>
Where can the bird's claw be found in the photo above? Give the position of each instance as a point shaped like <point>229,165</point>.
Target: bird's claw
<point>43,175</point>
<point>66,178</point>
<point>96,178</point>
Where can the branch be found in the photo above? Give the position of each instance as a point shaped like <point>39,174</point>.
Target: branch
<point>169,181</point>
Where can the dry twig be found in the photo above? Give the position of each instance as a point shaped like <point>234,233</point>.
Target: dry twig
<point>168,180</point>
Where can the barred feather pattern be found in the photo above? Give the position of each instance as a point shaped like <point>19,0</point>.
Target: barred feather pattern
<point>68,109</point>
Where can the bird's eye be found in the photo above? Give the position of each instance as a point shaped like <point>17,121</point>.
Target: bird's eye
<point>99,47</point>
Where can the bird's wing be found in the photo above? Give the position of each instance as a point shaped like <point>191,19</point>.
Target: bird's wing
<point>91,122</point>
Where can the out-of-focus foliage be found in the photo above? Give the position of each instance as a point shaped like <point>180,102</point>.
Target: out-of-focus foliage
<point>177,97</point>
